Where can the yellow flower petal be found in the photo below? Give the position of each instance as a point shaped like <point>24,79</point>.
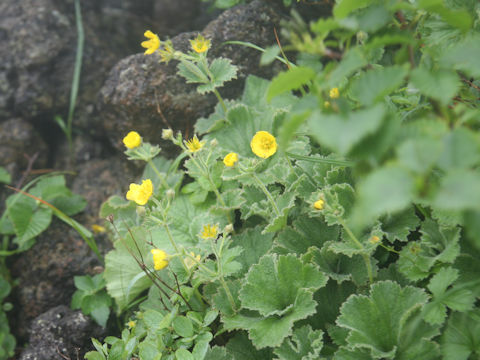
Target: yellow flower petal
<point>194,144</point>
<point>230,159</point>
<point>132,140</point>
<point>200,44</point>
<point>334,93</point>
<point>140,193</point>
<point>151,45</point>
<point>209,231</point>
<point>263,144</point>
<point>160,259</point>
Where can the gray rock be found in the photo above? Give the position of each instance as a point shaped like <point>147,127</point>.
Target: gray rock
<point>60,333</point>
<point>144,95</point>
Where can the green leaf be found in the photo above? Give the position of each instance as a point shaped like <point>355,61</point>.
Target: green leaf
<point>343,8</point>
<point>440,85</point>
<point>273,285</point>
<point>84,283</point>
<point>463,56</point>
<point>377,322</point>
<point>456,298</point>
<point>100,314</point>
<point>254,245</point>
<point>222,70</point>
<point>459,190</point>
<point>398,226</point>
<point>183,326</point>
<point>458,18</point>
<point>292,79</point>
<point>419,154</point>
<point>242,349</point>
<point>461,149</point>
<point>375,84</point>
<point>218,353</point>
<point>386,190</point>
<point>342,132</point>
<point>191,72</point>
<point>304,344</point>
<point>5,176</point>
<point>353,60</point>
<point>183,354</point>
<point>93,355</point>
<point>461,338</point>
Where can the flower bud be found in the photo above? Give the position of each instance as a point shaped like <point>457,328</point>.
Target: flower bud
<point>228,229</point>
<point>167,134</point>
<point>170,194</point>
<point>140,210</point>
<point>214,142</point>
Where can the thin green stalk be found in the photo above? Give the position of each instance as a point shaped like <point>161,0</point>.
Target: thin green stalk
<point>76,72</point>
<point>159,174</point>
<point>174,244</point>
<point>220,276</point>
<point>267,193</point>
<point>220,100</point>
<point>366,258</point>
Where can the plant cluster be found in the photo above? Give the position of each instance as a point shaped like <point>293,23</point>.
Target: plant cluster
<point>329,213</point>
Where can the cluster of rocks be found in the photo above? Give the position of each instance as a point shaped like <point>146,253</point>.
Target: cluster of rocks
<point>118,92</point>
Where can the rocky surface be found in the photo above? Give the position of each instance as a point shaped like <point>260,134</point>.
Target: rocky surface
<point>60,333</point>
<point>144,95</point>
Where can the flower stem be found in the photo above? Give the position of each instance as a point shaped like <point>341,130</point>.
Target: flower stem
<point>267,193</point>
<point>159,174</point>
<point>174,244</point>
<point>220,100</point>
<point>220,276</point>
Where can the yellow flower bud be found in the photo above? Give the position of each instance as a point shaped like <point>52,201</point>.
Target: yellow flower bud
<point>374,239</point>
<point>230,159</point>
<point>334,93</point>
<point>319,204</point>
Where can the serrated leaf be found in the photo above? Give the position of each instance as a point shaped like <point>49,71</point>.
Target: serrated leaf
<point>461,337</point>
<point>377,322</point>
<point>375,84</point>
<point>221,70</point>
<point>342,132</point>
<point>353,60</point>
<point>303,344</point>
<point>242,349</point>
<point>218,353</point>
<point>441,85</point>
<point>254,245</point>
<point>458,18</point>
<point>461,149</point>
<point>272,286</point>
<point>463,56</point>
<point>398,226</point>
<point>292,79</point>
<point>191,72</point>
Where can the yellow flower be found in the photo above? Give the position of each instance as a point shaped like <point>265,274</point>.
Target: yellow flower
<point>140,193</point>
<point>263,144</point>
<point>334,93</point>
<point>151,45</point>
<point>374,239</point>
<point>319,204</point>
<point>160,259</point>
<point>132,140</point>
<point>194,144</point>
<point>200,44</point>
<point>131,324</point>
<point>98,229</point>
<point>230,159</point>
<point>209,231</point>
<point>192,262</point>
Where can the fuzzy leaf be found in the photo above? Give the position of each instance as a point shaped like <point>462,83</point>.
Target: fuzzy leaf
<point>461,338</point>
<point>242,349</point>
<point>463,56</point>
<point>304,344</point>
<point>375,84</point>
<point>292,79</point>
<point>459,190</point>
<point>440,85</point>
<point>254,245</point>
<point>273,285</point>
<point>377,322</point>
<point>342,132</point>
<point>399,225</point>
<point>222,70</point>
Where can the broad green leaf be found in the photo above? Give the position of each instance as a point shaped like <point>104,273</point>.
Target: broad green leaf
<point>254,245</point>
<point>461,338</point>
<point>340,199</point>
<point>93,355</point>
<point>398,226</point>
<point>440,85</point>
<point>84,283</point>
<point>100,314</point>
<point>272,330</point>
<point>191,72</point>
<point>345,7</point>
<point>222,70</point>
<point>183,326</point>
<point>342,132</point>
<point>218,353</point>
<point>386,190</point>
<point>375,84</point>
<point>419,154</point>
<point>459,190</point>
<point>463,56</point>
<point>461,149</point>
<point>273,285</point>
<point>457,18</point>
<point>292,79</point>
<point>304,344</point>
<point>242,349</point>
<point>377,322</point>
<point>351,61</point>
<point>183,354</point>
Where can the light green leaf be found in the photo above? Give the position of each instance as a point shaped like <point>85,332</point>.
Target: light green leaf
<point>353,60</point>
<point>304,344</point>
<point>222,70</point>
<point>218,353</point>
<point>419,154</point>
<point>254,245</point>
<point>399,225</point>
<point>183,326</point>
<point>458,18</point>
<point>5,176</point>
<point>191,72</point>
<point>345,7</point>
<point>386,190</point>
<point>377,322</point>
<point>242,349</point>
<point>342,132</point>
<point>273,285</point>
<point>100,314</point>
<point>440,85</point>
<point>461,149</point>
<point>459,190</point>
<point>463,56</point>
<point>183,354</point>
<point>461,338</point>
<point>292,79</point>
